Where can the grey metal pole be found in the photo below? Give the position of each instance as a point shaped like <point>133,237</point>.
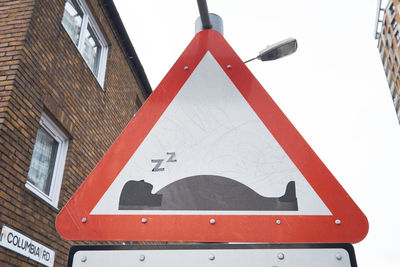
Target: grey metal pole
<point>204,15</point>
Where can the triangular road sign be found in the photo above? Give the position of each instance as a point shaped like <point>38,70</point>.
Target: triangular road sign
<point>211,158</point>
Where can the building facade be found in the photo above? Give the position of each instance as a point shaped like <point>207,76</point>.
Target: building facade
<point>388,35</point>
<point>70,81</point>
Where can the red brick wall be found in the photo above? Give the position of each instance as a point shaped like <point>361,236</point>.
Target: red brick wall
<point>42,71</point>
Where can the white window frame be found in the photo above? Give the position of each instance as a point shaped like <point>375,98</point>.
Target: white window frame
<point>51,128</point>
<point>88,20</point>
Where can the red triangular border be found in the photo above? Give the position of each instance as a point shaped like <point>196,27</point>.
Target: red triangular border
<point>75,223</point>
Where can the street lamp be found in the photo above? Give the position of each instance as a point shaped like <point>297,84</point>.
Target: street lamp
<point>278,50</point>
<point>213,21</point>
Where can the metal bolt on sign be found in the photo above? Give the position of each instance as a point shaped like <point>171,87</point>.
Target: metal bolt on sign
<point>338,256</point>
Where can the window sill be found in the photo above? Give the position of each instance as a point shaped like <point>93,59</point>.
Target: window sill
<point>41,196</point>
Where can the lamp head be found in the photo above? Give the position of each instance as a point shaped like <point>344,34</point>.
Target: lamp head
<point>278,50</point>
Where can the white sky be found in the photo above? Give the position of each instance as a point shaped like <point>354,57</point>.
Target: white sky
<point>333,89</point>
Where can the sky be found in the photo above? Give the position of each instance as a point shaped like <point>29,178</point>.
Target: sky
<point>333,89</point>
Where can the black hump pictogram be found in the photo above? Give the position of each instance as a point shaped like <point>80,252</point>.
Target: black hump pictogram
<point>203,192</point>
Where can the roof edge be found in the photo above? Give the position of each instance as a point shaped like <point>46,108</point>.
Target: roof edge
<point>132,56</point>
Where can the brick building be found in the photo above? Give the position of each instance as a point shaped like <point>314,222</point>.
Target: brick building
<point>388,35</point>
<point>70,81</point>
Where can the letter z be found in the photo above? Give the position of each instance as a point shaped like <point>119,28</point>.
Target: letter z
<point>158,164</point>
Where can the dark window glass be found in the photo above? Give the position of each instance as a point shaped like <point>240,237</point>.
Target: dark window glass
<point>72,20</point>
<point>91,50</point>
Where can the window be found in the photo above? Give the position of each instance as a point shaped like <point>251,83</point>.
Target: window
<point>394,24</point>
<point>47,163</point>
<point>391,9</point>
<point>84,32</point>
<point>397,35</point>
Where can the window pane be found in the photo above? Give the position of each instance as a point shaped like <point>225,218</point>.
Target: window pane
<point>42,164</point>
<point>72,20</point>
<point>391,8</point>
<point>91,50</point>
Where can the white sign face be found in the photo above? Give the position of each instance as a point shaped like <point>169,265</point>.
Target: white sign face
<point>238,257</point>
<point>23,245</point>
<point>208,139</point>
